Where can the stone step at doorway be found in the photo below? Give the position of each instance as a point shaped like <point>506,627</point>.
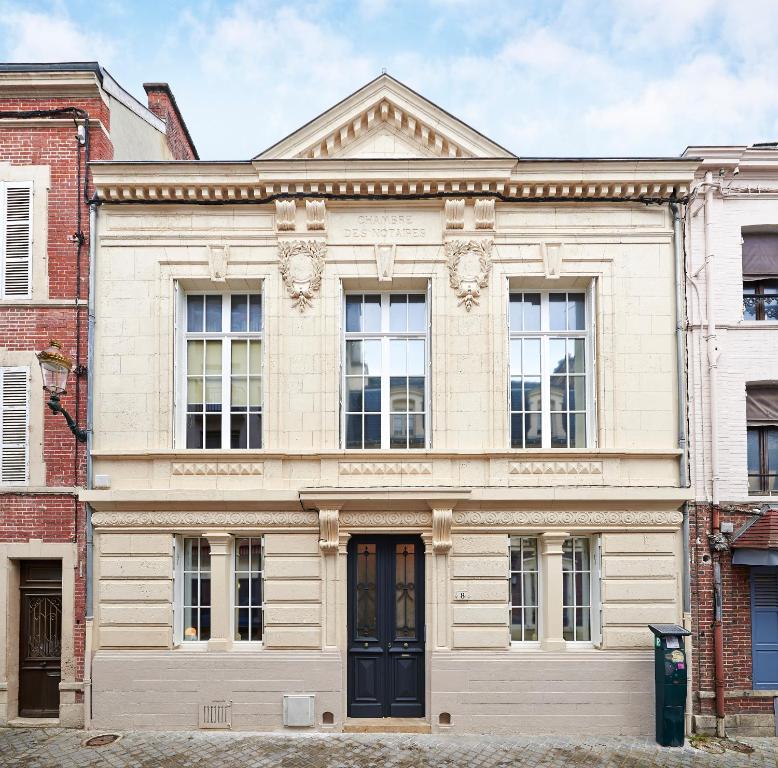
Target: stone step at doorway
<point>386,725</point>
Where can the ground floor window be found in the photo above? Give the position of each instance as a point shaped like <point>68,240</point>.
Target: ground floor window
<point>196,589</point>
<point>249,566</point>
<point>576,589</point>
<point>529,566</point>
<point>524,588</point>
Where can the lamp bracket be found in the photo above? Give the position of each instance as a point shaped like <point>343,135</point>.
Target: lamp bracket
<point>57,407</point>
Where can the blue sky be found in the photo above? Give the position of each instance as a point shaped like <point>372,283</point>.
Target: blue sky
<point>573,77</point>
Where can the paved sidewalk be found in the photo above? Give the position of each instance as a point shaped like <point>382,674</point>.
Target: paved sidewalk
<point>55,747</point>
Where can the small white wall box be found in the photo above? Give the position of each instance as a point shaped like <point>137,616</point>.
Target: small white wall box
<point>102,482</point>
<point>215,715</point>
<point>298,710</point>
<point>727,526</point>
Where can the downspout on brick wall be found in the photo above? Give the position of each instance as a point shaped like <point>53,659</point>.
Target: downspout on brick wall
<point>683,466</point>
<point>716,537</point>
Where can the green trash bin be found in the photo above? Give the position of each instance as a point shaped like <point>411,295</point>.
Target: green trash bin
<point>670,674</point>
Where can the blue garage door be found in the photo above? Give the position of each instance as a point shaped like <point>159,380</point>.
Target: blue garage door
<point>764,626</point>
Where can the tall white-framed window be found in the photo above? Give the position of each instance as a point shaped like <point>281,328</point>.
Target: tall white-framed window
<point>248,597</point>
<point>551,403</point>
<point>577,589</point>
<point>14,425</point>
<point>193,590</point>
<point>15,240</point>
<point>386,370</point>
<point>221,375</point>
<point>524,588</point>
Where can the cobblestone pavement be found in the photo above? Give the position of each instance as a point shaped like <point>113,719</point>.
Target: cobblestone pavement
<point>55,747</point>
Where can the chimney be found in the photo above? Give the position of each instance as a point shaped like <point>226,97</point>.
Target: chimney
<point>163,104</point>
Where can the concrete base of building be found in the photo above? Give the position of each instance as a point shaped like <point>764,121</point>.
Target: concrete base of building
<point>746,724</point>
<point>515,691</point>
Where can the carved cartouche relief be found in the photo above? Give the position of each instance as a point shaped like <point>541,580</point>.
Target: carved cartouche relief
<point>469,264</point>
<point>302,263</point>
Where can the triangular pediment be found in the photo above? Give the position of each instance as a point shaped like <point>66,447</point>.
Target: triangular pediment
<point>384,119</point>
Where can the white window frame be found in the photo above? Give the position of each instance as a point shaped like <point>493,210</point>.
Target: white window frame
<point>544,334</point>
<point>386,336</point>
<point>526,643</point>
<point>234,589</point>
<point>178,593</point>
<point>180,365</point>
<point>25,372</point>
<point>4,187</point>
<point>595,605</point>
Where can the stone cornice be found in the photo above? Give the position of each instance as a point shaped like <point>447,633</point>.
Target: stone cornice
<point>382,499</point>
<point>504,179</point>
<point>51,84</point>
<point>359,456</point>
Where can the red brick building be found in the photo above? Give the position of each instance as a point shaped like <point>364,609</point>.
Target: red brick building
<point>54,119</point>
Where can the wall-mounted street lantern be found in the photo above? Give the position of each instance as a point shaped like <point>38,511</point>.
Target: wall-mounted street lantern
<point>55,367</point>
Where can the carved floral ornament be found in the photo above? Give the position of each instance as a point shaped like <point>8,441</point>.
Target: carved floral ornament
<point>469,264</point>
<point>441,520</point>
<point>302,265</point>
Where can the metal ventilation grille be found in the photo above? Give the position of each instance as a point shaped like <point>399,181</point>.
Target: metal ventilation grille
<point>18,242</point>
<point>13,426</point>
<point>765,591</point>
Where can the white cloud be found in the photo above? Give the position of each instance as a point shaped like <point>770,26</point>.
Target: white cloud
<point>275,69</point>
<point>545,78</point>
<point>702,102</point>
<point>35,36</point>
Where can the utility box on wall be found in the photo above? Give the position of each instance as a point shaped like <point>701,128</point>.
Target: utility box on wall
<point>299,711</point>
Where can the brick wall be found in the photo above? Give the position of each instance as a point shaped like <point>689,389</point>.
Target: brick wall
<point>736,618</point>
<point>56,517</point>
<point>163,104</point>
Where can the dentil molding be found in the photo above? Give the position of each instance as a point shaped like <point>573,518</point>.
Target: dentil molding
<point>619,519</point>
<point>302,263</point>
<point>204,519</point>
<point>469,264</point>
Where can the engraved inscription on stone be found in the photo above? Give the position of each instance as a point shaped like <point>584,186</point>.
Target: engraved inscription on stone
<point>382,226</point>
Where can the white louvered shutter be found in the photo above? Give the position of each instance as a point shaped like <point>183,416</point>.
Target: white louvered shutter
<point>17,241</point>
<point>14,401</point>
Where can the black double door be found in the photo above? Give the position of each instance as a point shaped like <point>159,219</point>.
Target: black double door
<point>386,626</point>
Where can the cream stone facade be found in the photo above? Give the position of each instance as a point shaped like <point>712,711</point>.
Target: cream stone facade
<point>386,193</point>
